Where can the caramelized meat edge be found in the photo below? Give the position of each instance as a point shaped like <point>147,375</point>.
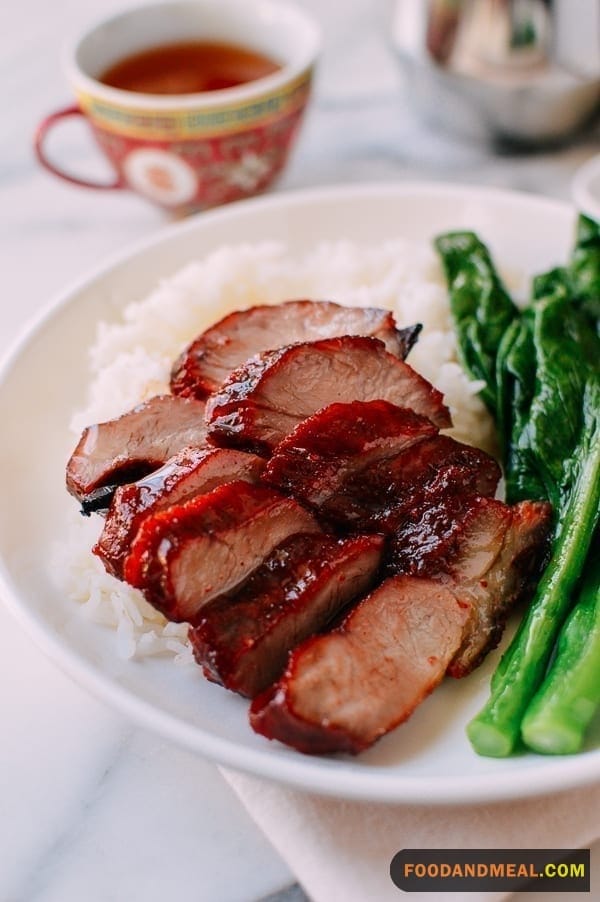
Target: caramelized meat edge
<point>242,641</point>
<point>131,446</point>
<point>207,362</point>
<point>266,398</point>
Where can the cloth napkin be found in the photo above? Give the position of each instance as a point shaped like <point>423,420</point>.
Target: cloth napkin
<point>341,851</point>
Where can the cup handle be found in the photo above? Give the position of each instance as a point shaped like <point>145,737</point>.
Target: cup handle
<point>40,136</point>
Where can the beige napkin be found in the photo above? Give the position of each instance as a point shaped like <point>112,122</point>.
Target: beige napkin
<point>341,851</point>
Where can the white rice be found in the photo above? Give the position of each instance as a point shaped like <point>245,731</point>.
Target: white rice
<point>131,361</point>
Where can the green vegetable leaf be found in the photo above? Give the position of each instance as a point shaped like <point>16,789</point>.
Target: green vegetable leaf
<point>481,307</point>
<point>560,713</point>
<point>495,731</point>
<point>547,423</point>
<point>584,267</point>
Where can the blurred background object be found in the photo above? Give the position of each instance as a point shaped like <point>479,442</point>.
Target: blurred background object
<point>526,70</point>
<point>586,187</point>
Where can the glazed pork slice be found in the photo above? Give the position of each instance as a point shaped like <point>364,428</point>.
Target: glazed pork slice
<point>426,537</point>
<point>243,641</point>
<point>132,445</point>
<point>345,689</point>
<point>411,482</point>
<point>324,451</point>
<point>387,496</point>
<point>266,398</point>
<point>209,359</point>
<point>496,575</point>
<point>492,551</point>
<point>193,471</point>
<point>184,556</point>
<point>368,465</point>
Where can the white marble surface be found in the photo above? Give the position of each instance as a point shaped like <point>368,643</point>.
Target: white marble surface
<point>92,808</point>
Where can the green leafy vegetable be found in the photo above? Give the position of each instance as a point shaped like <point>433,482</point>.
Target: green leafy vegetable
<point>557,356</point>
<point>481,306</point>
<point>560,713</point>
<point>584,268</point>
<point>496,729</point>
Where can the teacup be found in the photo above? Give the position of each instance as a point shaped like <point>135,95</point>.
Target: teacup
<point>192,151</point>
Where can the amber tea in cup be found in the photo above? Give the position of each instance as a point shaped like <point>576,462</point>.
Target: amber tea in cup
<point>194,102</point>
<point>189,67</point>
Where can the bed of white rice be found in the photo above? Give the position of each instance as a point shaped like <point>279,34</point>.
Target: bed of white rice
<point>131,360</point>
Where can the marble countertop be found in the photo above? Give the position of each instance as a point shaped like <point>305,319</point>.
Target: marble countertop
<point>92,807</point>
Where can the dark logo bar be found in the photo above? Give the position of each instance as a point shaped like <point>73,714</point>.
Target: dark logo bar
<point>489,870</point>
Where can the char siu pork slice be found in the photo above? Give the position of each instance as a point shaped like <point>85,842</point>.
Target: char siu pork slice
<point>188,554</point>
<point>425,539</point>
<point>243,641</point>
<point>345,689</point>
<point>209,360</point>
<point>193,471</point>
<point>132,445</point>
<point>315,460</point>
<point>491,551</point>
<point>496,575</point>
<point>410,482</point>
<point>388,495</point>
<point>265,399</point>
<point>367,465</point>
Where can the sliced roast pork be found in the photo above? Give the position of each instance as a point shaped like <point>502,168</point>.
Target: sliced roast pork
<point>495,576</point>
<point>209,360</point>
<point>492,551</point>
<point>193,471</point>
<point>132,445</point>
<point>188,554</point>
<point>369,465</point>
<point>395,491</point>
<point>426,538</point>
<point>327,449</point>
<point>265,399</point>
<point>345,689</point>
<point>242,641</point>
<point>401,488</point>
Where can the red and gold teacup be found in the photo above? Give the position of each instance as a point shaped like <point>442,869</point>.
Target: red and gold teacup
<point>192,151</point>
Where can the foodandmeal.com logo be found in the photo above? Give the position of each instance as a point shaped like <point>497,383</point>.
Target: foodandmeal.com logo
<point>481,870</point>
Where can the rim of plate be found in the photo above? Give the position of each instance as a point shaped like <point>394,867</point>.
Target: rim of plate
<point>316,774</point>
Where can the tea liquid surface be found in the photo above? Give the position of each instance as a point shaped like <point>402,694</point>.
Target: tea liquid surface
<point>188,68</point>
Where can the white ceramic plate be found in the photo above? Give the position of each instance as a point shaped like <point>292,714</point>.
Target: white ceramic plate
<point>42,381</point>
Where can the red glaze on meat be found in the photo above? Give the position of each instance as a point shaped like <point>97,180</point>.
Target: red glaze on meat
<point>243,641</point>
<point>193,471</point>
<point>341,441</point>
<point>132,445</point>
<point>428,536</point>
<point>370,465</point>
<point>188,554</point>
<point>343,690</point>
<point>492,551</point>
<point>209,359</point>
<point>264,400</point>
<point>495,573</point>
<point>401,488</point>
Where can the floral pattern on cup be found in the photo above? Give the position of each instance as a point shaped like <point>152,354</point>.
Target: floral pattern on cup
<point>202,173</point>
